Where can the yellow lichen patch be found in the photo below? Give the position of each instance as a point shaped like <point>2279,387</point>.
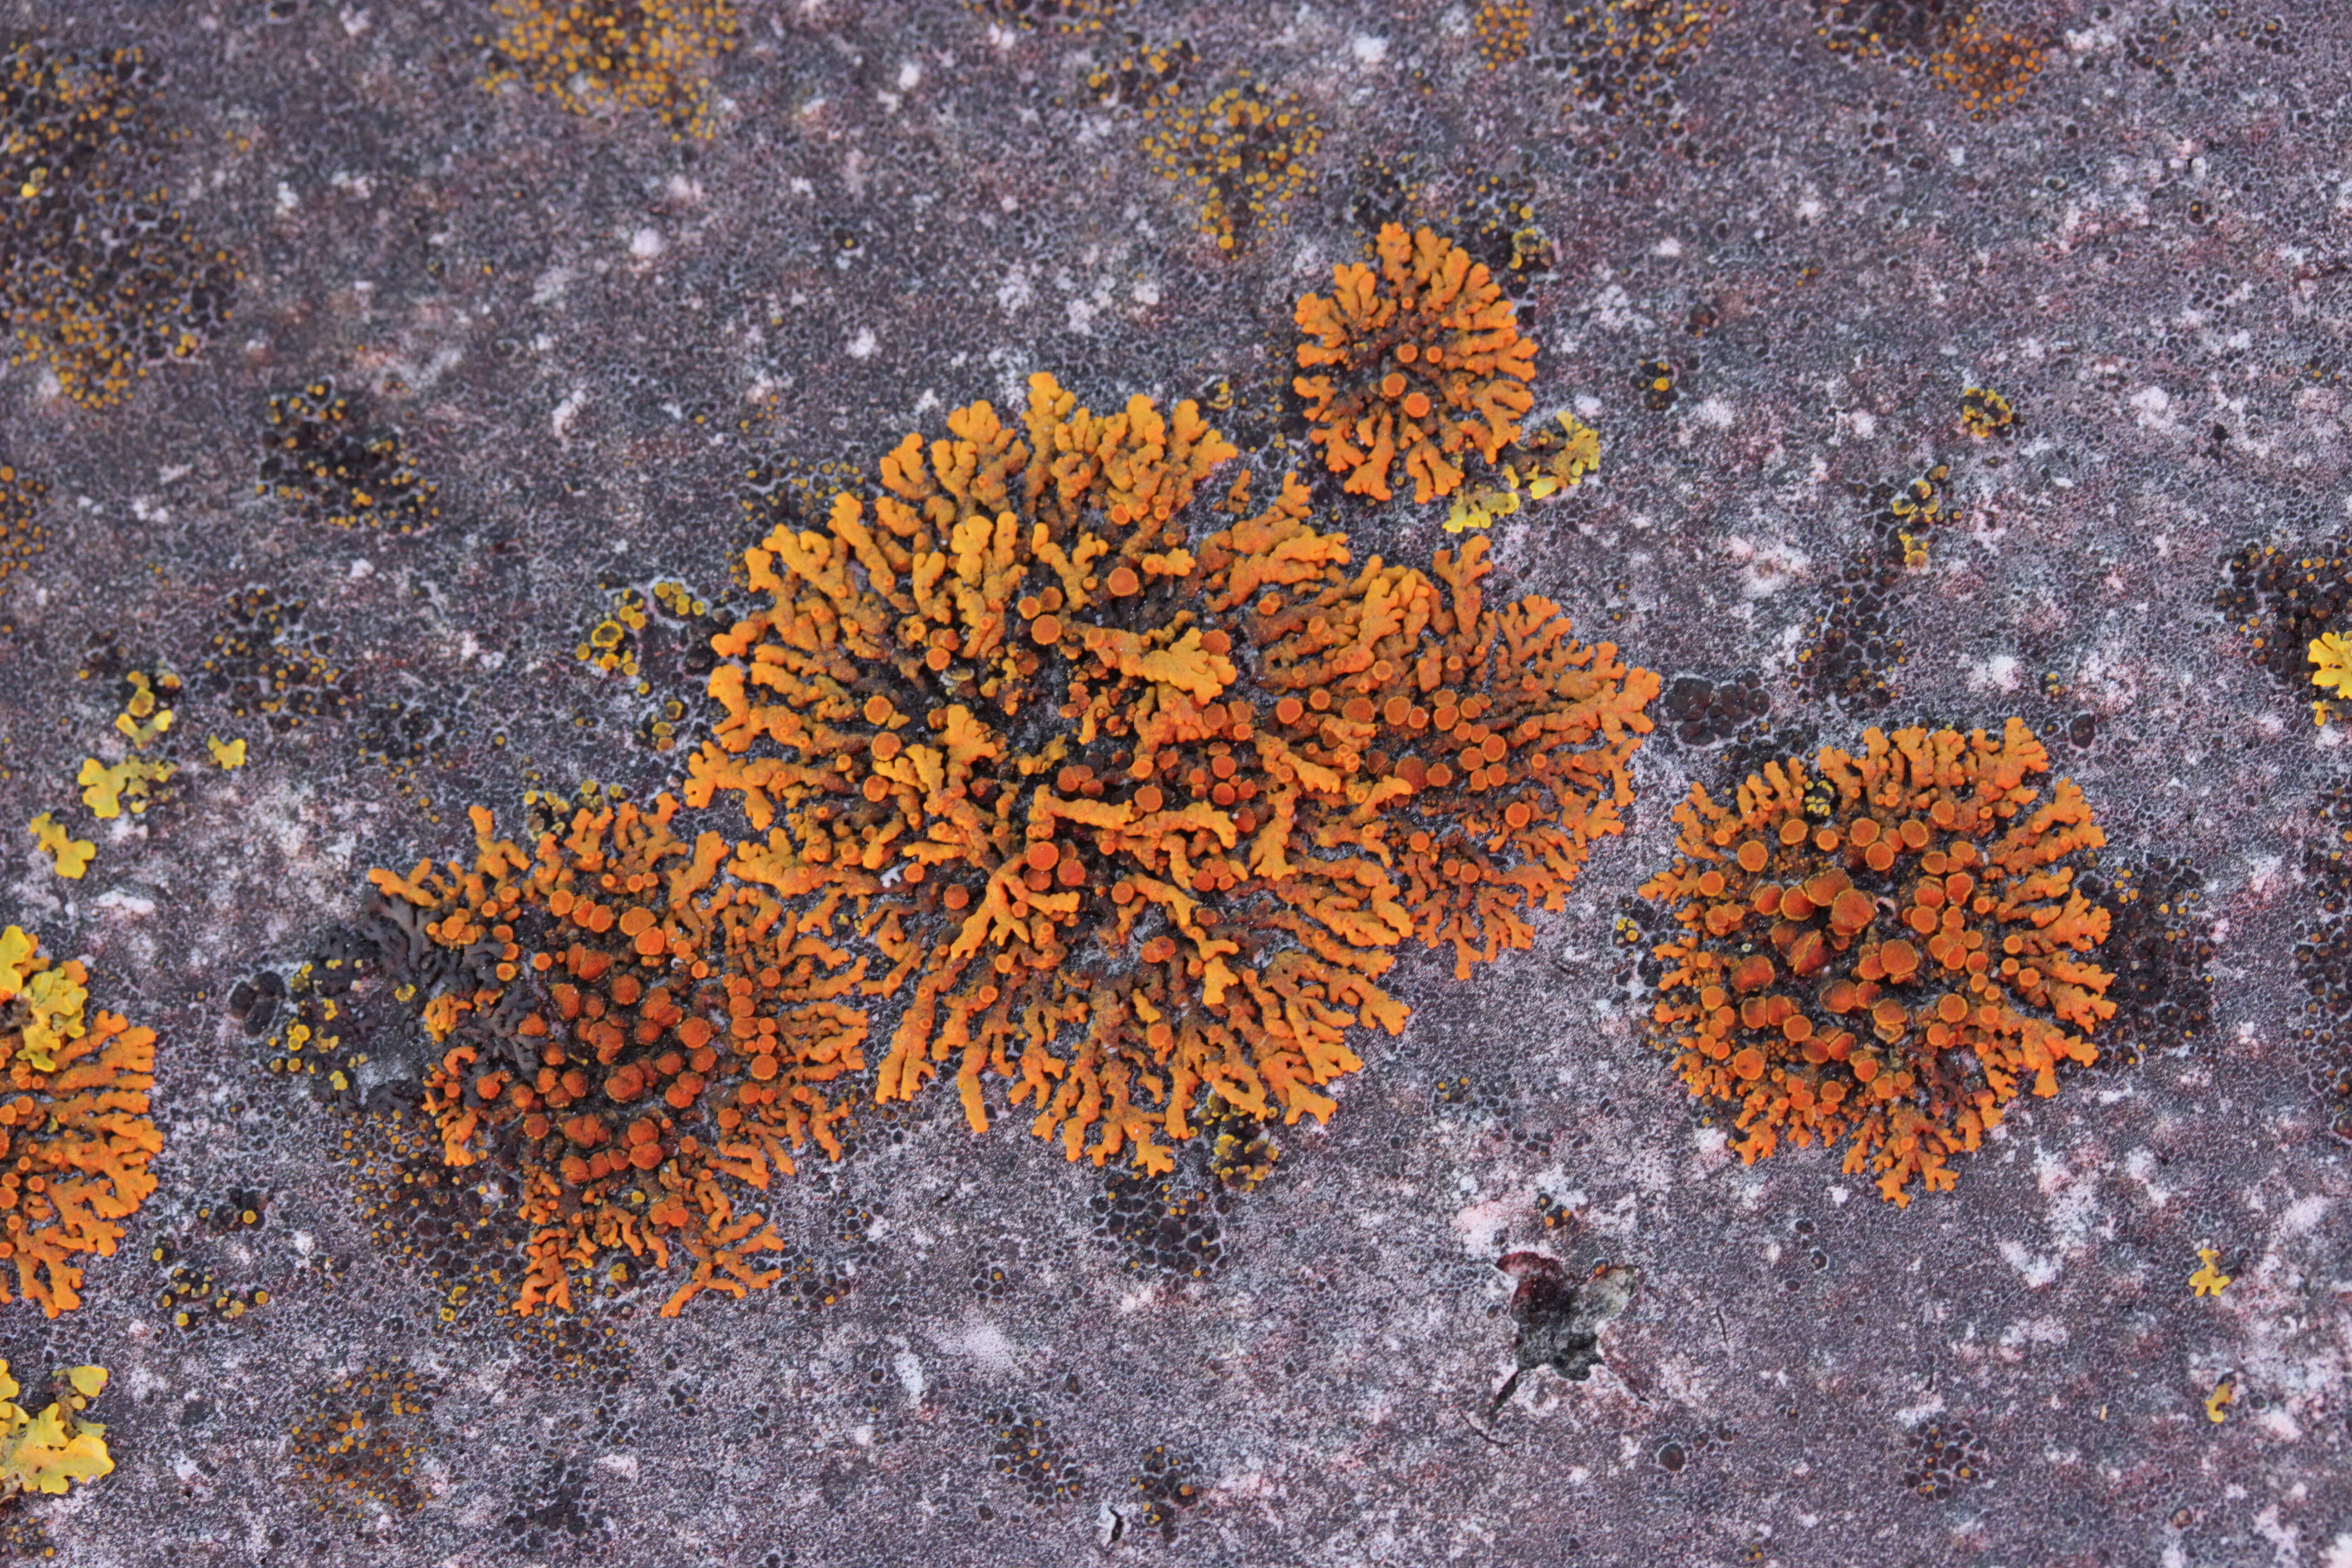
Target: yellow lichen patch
<point>75,1136</point>
<point>101,279</point>
<point>1985,413</point>
<point>359,1443</point>
<point>1243,156</point>
<point>22,537</point>
<point>226,754</point>
<point>1988,68</point>
<point>50,1452</point>
<point>1549,462</point>
<point>69,855</point>
<point>2218,1403</point>
<point>607,56</point>
<point>1883,949</point>
<point>2209,1279</point>
<point>1136,801</point>
<point>1622,55</point>
<point>106,788</point>
<point>670,1037</point>
<point>1501,27</point>
<point>1420,362</point>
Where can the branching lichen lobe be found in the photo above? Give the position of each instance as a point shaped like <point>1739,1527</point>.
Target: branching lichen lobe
<point>1135,816</point>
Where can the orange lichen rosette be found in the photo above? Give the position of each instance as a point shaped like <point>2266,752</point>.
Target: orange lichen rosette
<point>75,1137</point>
<point>1880,953</point>
<point>627,1026</point>
<point>1134,795</point>
<point>1420,361</point>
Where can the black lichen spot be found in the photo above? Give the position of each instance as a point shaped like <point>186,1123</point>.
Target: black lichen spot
<point>2160,948</point>
<point>1701,712</point>
<point>99,279</point>
<point>261,662</point>
<point>1945,1456</point>
<point>1023,1448</point>
<point>2281,600</point>
<point>319,453</point>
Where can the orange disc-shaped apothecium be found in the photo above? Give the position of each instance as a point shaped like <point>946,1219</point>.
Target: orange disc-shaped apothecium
<point>1417,362</point>
<point>1882,952</point>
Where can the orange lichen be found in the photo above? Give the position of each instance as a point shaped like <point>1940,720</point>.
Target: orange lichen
<point>75,1139</point>
<point>1420,361</point>
<point>602,56</point>
<point>1880,953</point>
<point>1139,807</point>
<point>626,1026</point>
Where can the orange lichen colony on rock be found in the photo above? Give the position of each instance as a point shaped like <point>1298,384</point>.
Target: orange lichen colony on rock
<point>1139,804</point>
<point>630,1025</point>
<point>1420,361</point>
<point>1880,953</point>
<point>75,1138</point>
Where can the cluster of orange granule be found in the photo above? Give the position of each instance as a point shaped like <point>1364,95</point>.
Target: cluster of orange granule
<point>1135,797</point>
<point>630,1025</point>
<point>1880,952</point>
<point>75,1138</point>
<point>1418,362</point>
<point>595,56</point>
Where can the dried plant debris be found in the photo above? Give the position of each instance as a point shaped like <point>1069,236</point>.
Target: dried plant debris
<point>1880,950</point>
<point>320,453</point>
<point>99,279</point>
<point>76,1133</point>
<point>1270,768</point>
<point>607,58</point>
<point>1559,1318</point>
<point>1418,363</point>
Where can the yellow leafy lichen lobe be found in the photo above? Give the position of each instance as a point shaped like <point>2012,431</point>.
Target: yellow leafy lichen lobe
<point>48,1452</point>
<point>2208,1279</point>
<point>68,855</point>
<point>226,754</point>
